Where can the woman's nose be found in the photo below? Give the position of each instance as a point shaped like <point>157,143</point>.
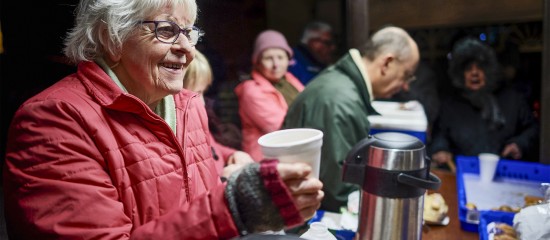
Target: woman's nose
<point>183,48</point>
<point>276,63</point>
<point>183,43</point>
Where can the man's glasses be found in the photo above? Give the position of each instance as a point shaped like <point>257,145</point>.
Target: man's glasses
<point>407,76</point>
<point>168,32</point>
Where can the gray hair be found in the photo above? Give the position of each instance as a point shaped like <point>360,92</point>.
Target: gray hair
<point>114,18</point>
<point>389,40</point>
<point>314,30</point>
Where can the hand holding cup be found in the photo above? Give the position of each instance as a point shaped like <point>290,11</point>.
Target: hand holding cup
<point>306,191</point>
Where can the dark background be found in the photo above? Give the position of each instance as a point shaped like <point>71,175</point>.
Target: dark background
<point>33,33</point>
<point>33,39</point>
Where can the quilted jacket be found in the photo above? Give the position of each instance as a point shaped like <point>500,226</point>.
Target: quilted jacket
<point>86,161</point>
<point>262,109</point>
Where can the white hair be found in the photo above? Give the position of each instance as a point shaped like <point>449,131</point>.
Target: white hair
<point>114,18</point>
<point>314,30</point>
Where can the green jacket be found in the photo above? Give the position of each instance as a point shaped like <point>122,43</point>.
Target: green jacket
<point>336,102</point>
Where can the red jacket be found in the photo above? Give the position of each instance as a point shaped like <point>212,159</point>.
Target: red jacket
<point>262,109</point>
<point>87,161</point>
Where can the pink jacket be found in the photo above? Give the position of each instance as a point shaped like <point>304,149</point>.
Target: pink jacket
<point>262,109</point>
<point>87,161</point>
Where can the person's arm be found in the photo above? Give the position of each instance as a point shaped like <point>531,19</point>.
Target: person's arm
<point>443,157</point>
<point>258,196</point>
<point>439,145</point>
<point>341,135</point>
<point>527,130</point>
<point>58,185</point>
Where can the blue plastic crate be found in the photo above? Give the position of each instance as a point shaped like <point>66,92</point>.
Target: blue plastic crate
<point>469,219</point>
<point>486,217</point>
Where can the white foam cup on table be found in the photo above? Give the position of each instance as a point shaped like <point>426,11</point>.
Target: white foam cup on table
<point>487,166</point>
<point>294,145</point>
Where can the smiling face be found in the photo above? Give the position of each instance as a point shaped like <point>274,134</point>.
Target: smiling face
<point>150,69</point>
<point>273,64</point>
<point>474,77</point>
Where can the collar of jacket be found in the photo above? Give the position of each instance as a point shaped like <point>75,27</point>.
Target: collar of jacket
<point>349,68</point>
<point>267,86</point>
<point>107,93</point>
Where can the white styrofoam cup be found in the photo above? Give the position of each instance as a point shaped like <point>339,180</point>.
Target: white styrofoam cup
<point>487,166</point>
<point>294,145</point>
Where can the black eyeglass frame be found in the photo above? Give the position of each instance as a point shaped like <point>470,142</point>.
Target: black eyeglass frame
<point>186,31</point>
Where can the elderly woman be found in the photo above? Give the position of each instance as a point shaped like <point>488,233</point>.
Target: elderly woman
<point>483,116</point>
<point>119,150</point>
<point>264,100</point>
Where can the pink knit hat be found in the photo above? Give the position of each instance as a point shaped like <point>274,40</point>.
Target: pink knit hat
<point>270,39</point>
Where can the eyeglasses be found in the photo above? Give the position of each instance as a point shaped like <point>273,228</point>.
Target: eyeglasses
<point>168,32</point>
<point>410,79</point>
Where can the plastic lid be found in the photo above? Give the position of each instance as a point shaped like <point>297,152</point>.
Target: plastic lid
<point>400,141</point>
<point>318,231</point>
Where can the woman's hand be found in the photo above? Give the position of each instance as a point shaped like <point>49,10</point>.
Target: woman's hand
<point>235,162</point>
<point>306,191</point>
<point>230,169</point>
<point>239,157</point>
<point>442,157</point>
<point>511,150</point>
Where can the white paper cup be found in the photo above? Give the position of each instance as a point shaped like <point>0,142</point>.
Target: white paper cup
<point>294,145</point>
<point>487,166</point>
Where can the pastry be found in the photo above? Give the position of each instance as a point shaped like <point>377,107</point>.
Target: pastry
<point>471,206</point>
<point>435,208</point>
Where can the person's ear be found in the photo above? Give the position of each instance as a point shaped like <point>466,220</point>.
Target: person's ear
<point>113,56</point>
<point>112,59</point>
<point>387,60</point>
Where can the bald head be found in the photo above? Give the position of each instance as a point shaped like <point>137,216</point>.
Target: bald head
<point>392,40</point>
<point>391,57</point>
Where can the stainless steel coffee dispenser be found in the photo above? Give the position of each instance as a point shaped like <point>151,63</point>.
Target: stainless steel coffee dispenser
<point>394,173</point>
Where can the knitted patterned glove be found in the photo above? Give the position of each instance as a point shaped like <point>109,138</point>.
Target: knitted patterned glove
<point>259,201</point>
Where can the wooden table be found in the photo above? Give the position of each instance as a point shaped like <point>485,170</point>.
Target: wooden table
<point>449,193</point>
